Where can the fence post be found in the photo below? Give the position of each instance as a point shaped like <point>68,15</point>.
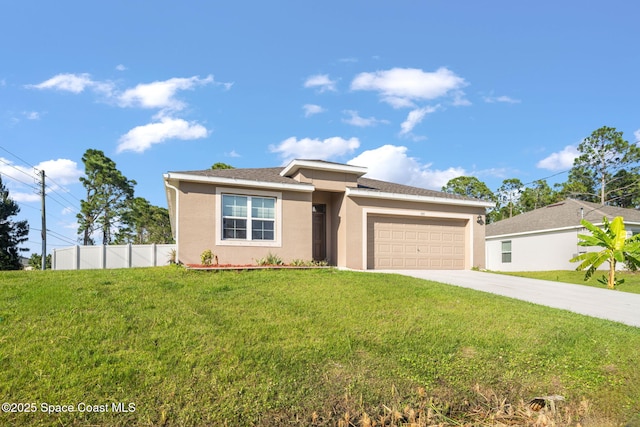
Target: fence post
<point>154,255</point>
<point>76,260</point>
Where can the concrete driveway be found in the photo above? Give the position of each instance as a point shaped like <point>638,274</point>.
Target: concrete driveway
<point>608,304</point>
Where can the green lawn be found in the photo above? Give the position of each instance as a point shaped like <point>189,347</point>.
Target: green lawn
<point>631,280</point>
<point>298,347</point>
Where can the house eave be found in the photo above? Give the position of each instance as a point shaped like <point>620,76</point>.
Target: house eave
<point>355,192</point>
<point>307,188</point>
<point>294,165</point>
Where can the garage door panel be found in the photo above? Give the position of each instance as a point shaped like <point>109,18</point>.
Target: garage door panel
<point>415,243</point>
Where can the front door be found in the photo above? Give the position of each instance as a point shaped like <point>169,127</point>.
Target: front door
<point>319,233</point>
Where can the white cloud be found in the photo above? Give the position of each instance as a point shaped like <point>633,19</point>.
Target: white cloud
<point>61,171</point>
<point>322,82</point>
<point>75,83</point>
<point>58,173</point>
<point>307,148</point>
<point>311,109</point>
<point>414,118</point>
<point>503,99</point>
<point>31,115</point>
<point>637,135</point>
<point>356,120</point>
<point>120,67</point>
<point>160,94</point>
<point>399,87</point>
<point>143,137</point>
<point>560,160</point>
<point>391,163</point>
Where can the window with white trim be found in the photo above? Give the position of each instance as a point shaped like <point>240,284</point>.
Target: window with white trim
<point>248,218</point>
<point>506,251</point>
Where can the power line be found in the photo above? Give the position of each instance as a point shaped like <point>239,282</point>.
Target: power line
<point>18,157</point>
<point>57,236</point>
<point>62,187</point>
<point>33,187</point>
<point>16,168</point>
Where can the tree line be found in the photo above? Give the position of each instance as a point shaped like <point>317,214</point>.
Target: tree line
<point>606,171</point>
<point>112,213</point>
<point>109,214</point>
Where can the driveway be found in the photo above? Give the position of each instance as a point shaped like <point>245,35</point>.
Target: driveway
<point>608,304</point>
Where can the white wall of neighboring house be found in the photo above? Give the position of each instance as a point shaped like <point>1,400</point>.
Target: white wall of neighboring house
<point>534,251</point>
<point>540,251</point>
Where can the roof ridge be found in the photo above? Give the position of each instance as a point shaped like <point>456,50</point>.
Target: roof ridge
<point>597,209</point>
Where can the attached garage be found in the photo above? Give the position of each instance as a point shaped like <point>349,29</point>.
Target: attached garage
<point>395,242</point>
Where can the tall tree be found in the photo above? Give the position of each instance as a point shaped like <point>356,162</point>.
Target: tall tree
<point>144,223</point>
<point>12,233</point>
<point>602,155</point>
<point>580,185</point>
<point>469,186</point>
<point>625,190</point>
<point>509,196</point>
<point>220,165</point>
<point>108,192</point>
<point>537,196</point>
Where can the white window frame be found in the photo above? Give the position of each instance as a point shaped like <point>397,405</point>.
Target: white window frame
<point>503,252</point>
<point>245,192</point>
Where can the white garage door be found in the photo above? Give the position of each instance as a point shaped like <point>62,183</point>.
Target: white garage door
<point>415,243</point>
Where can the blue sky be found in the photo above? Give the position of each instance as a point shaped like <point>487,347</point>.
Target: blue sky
<point>418,91</point>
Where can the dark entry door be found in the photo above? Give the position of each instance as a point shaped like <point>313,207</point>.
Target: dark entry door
<point>319,233</point>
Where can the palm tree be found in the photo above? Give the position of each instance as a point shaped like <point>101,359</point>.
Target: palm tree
<point>612,237</point>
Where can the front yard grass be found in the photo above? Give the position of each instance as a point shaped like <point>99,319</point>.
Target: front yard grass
<point>631,279</point>
<point>308,347</point>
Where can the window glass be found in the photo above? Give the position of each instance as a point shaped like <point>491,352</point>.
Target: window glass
<point>506,251</point>
<point>248,217</point>
<point>234,228</point>
<point>263,208</point>
<point>234,206</point>
<point>262,230</point>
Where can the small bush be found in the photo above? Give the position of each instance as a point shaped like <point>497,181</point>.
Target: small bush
<point>206,257</point>
<point>270,259</point>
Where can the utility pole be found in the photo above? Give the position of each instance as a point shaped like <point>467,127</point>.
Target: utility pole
<point>44,223</point>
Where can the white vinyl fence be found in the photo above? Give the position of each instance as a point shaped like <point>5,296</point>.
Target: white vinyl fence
<point>111,256</point>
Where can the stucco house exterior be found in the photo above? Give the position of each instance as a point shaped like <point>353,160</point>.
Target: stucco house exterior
<point>547,238</point>
<point>312,209</point>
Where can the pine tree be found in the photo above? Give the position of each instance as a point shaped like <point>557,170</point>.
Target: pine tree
<point>12,233</point>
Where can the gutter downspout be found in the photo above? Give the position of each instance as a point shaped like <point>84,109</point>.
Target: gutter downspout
<point>177,237</point>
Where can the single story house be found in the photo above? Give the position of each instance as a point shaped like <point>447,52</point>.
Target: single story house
<point>547,238</point>
<point>312,209</point>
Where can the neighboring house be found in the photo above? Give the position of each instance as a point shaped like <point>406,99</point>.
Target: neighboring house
<point>312,209</point>
<point>547,238</point>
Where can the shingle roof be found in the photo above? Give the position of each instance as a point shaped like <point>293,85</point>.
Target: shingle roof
<point>390,187</point>
<point>249,174</point>
<point>567,213</point>
<point>367,184</point>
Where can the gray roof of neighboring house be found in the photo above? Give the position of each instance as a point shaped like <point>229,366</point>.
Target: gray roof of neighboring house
<point>367,184</point>
<point>567,213</point>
